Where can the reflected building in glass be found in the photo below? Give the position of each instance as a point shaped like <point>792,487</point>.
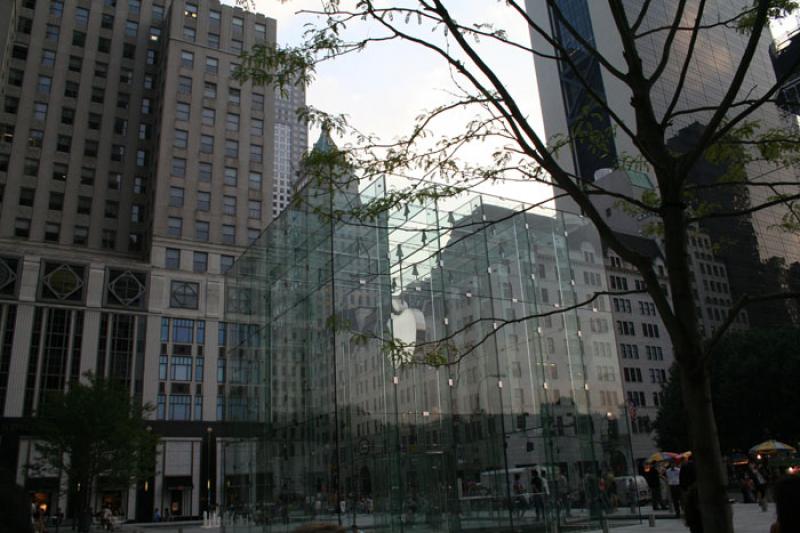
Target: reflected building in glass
<point>421,369</point>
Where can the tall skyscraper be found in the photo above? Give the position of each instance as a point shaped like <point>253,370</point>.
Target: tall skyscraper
<point>133,171</point>
<point>757,253</point>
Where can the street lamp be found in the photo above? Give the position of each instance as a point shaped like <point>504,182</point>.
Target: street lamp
<point>209,431</point>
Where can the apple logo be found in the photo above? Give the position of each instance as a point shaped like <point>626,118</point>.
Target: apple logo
<point>406,324</point>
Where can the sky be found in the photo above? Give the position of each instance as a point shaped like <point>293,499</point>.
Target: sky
<point>382,89</point>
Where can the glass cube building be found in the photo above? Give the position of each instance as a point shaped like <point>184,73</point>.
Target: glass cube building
<point>417,372</point>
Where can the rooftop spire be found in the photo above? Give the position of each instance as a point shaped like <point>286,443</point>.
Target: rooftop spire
<point>325,142</point>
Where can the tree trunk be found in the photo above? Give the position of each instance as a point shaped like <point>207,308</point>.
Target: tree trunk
<point>711,475</point>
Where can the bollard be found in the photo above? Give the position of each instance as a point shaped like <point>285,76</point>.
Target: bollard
<point>604,523</point>
<point>652,520</point>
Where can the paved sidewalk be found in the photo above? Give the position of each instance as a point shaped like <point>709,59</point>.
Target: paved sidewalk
<point>747,518</point>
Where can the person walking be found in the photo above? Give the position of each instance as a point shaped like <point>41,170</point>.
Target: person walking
<point>654,482</point>
<point>675,493</point>
<point>520,503</point>
<point>760,485</point>
<point>537,487</point>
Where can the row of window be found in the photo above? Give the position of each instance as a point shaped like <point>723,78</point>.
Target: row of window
<point>202,228</point>
<point>210,91</point>
<point>634,375</point>
<point>626,327</point>
<point>205,171</point>
<point>209,118</point>
<point>172,260</point>
<point>80,235</point>
<point>181,141</point>
<point>631,351</point>
<point>177,199</point>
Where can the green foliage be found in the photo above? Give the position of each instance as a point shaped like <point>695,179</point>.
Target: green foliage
<point>777,9</point>
<point>754,391</point>
<point>95,432</point>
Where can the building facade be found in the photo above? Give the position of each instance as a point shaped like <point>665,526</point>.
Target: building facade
<point>758,255</point>
<point>133,171</point>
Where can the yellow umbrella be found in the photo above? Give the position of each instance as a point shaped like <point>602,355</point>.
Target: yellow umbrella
<point>771,446</point>
<point>663,457</point>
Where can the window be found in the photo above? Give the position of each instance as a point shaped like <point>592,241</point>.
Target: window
<point>125,75</point>
<point>51,231</point>
<point>184,295</point>
<point>137,213</point>
<point>228,234</point>
<point>261,32</point>
<point>48,58</point>
<point>15,77</point>
<point>254,209</point>
<point>107,21</point>
<point>98,93</point>
<point>158,13</point>
<point>145,132</point>
<point>80,235</point>
<point>204,171</point>
<point>187,59</point>
<point>123,100</point>
<point>212,65</point>
<point>84,205</point>
<point>210,90</point>
<point>75,63</point>
<point>179,167</point>
<point>120,126</point>
<point>625,327</point>
<point>40,111</point>
<point>131,28</point>
<point>254,181</point>
<point>112,209</point>
<point>207,144</point>
<point>103,45</point>
<point>181,139</point>
<point>71,89</point>
<point>237,24</point>
<point>234,96</point>
<point>198,376</point>
<point>57,8</point>
<point>31,167</point>
<point>174,226</point>
<point>26,196</point>
<point>147,106</point>
<point>252,235</point>
<point>176,196</point>
<point>78,38</point>
<point>182,111</point>
<point>618,283</point>
<point>11,104</point>
<point>81,17</point>
<point>650,330</point>
<point>203,200</point>
<point>63,143</point>
<point>139,185</point>
<point>117,152</point>
<point>35,138</point>
<point>7,134</point>
<point>209,116</point>
<point>257,101</point>
<point>231,176</point>
<point>256,153</point>
<point>60,171</point>
<point>108,239</point>
<point>155,34</point>
<point>200,262</point>
<point>151,59</point>
<point>52,32</point>
<point>44,84</point>
<point>189,33</point>
<point>229,205</point>
<point>237,45</point>
<point>256,127</point>
<point>180,405</point>
<point>22,227</point>
<point>190,10</point>
<point>24,25</point>
<point>213,40</point>
<point>184,85</point>
<point>128,50</point>
<point>231,148</point>
<point>232,122</point>
<point>135,241</point>
<point>172,259</point>
<point>226,262</point>
<point>201,231</point>
<point>214,17</point>
<point>142,157</point>
<point>134,6</point>
<point>19,52</point>
<point>87,176</point>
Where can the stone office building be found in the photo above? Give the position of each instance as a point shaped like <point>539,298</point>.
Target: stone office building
<point>133,171</point>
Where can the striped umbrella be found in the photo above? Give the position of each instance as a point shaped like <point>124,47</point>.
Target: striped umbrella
<point>663,457</point>
<point>771,446</point>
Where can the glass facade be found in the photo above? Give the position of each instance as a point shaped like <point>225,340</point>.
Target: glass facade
<point>422,371</point>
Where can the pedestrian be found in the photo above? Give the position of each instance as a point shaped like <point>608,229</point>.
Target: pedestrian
<point>654,482</point>
<point>537,487</point>
<point>39,524</point>
<point>157,515</point>
<point>520,502</point>
<point>108,523</point>
<point>761,485</point>
<point>562,493</point>
<point>675,493</point>
<point>787,505</point>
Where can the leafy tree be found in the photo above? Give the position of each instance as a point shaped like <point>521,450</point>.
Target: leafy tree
<point>753,391</point>
<point>729,136</point>
<point>95,433</point>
